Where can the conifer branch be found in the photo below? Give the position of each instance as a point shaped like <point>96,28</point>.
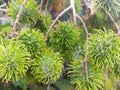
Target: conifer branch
<point>72,6</point>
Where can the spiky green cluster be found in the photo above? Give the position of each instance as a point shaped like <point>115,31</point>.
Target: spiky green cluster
<point>64,39</point>
<point>78,77</point>
<point>29,14</point>
<point>34,41</point>
<point>47,68</point>
<point>13,60</point>
<point>104,49</point>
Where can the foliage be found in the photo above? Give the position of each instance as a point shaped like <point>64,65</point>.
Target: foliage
<point>27,60</point>
<point>5,31</point>
<point>4,25</point>
<point>112,81</point>
<point>29,14</point>
<point>78,5</point>
<point>78,76</point>
<point>113,6</point>
<point>43,22</point>
<point>13,60</point>
<point>33,40</point>
<point>64,39</point>
<point>117,69</point>
<point>104,49</point>
<point>25,81</point>
<point>47,68</point>
<point>99,20</point>
<point>79,52</point>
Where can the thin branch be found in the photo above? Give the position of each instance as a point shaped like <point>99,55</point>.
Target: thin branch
<point>57,18</point>
<point>41,5</point>
<point>86,46</point>
<point>46,6</point>
<point>112,20</point>
<point>72,6</point>
<point>84,26</point>
<point>72,2</point>
<point>19,15</point>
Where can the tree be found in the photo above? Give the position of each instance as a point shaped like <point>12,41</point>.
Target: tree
<point>87,52</point>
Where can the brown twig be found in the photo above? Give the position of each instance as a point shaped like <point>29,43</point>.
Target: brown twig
<point>86,46</point>
<point>112,20</point>
<point>46,6</point>
<point>41,5</point>
<point>84,26</point>
<point>19,15</point>
<point>72,6</point>
<point>72,2</point>
<point>57,18</point>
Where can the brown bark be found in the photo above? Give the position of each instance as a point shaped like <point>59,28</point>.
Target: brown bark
<point>57,7</point>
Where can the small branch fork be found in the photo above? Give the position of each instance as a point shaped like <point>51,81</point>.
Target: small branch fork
<point>75,15</point>
<point>57,18</point>
<point>71,7</point>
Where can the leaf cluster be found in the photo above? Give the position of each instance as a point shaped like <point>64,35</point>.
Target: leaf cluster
<point>43,22</point>
<point>33,41</point>
<point>64,39</point>
<point>13,60</point>
<point>48,68</point>
<point>113,6</point>
<point>29,14</point>
<point>78,76</point>
<point>104,49</point>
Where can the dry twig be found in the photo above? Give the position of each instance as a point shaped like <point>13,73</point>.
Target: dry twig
<point>62,13</point>
<point>41,5</point>
<point>19,15</point>
<point>86,46</point>
<point>72,6</point>
<point>46,6</point>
